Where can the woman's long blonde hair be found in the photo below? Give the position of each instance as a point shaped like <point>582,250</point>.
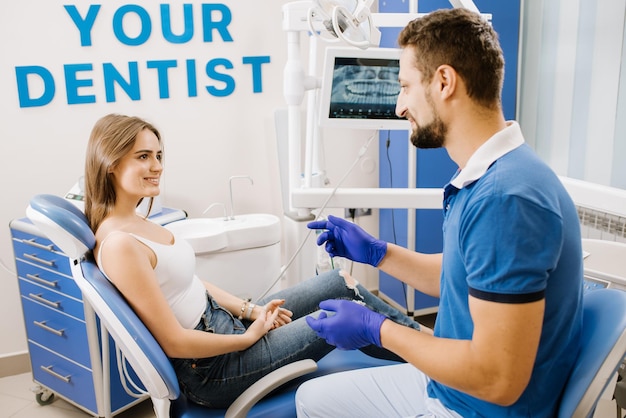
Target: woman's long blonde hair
<point>112,137</point>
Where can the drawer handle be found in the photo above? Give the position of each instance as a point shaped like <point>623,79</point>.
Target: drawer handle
<point>39,260</point>
<point>48,369</point>
<point>43,325</point>
<point>41,299</point>
<point>35,244</point>
<point>38,279</point>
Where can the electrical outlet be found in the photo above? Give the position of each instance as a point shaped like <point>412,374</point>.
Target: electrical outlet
<point>357,212</point>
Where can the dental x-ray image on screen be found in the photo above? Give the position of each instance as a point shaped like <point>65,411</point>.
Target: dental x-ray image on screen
<point>360,89</point>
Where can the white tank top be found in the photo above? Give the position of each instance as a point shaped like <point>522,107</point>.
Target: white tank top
<point>175,271</point>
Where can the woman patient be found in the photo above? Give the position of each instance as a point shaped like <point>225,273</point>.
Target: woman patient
<point>219,344</point>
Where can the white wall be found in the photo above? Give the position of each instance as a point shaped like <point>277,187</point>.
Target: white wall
<point>573,87</point>
<point>207,138</point>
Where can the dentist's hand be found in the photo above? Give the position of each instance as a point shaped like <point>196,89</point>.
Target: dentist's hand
<point>352,326</point>
<point>346,239</point>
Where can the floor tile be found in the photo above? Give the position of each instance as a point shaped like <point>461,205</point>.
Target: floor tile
<point>17,400</point>
<point>18,386</point>
<point>11,405</point>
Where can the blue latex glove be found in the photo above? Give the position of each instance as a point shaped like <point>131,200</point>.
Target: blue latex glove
<point>346,239</point>
<point>352,326</point>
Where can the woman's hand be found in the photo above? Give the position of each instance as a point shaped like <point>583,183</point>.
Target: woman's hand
<point>284,315</point>
<point>262,325</point>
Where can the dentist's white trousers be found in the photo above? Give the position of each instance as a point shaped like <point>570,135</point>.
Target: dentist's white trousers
<point>388,391</point>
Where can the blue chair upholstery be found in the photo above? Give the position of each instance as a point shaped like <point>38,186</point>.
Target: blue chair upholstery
<point>602,351</point>
<point>67,227</point>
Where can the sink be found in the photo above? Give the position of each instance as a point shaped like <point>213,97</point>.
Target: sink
<point>204,234</point>
<point>251,230</point>
<point>219,234</point>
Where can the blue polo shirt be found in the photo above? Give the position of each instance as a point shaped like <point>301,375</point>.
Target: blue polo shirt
<point>511,235</point>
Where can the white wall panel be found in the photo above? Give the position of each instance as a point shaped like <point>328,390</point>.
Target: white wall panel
<point>602,105</point>
<point>572,88</point>
<point>565,59</point>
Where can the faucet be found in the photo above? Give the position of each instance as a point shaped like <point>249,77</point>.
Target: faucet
<point>212,205</point>
<point>230,182</point>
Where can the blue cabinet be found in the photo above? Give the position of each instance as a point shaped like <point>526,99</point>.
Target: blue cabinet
<point>63,338</point>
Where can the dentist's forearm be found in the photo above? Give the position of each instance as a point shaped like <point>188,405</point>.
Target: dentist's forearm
<point>420,271</point>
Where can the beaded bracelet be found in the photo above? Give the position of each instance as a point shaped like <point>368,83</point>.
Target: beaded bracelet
<point>243,309</point>
<point>246,305</point>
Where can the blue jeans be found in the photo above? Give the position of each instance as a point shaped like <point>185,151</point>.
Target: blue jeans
<point>216,381</point>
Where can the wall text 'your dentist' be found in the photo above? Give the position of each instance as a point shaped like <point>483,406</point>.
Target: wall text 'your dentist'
<point>132,27</point>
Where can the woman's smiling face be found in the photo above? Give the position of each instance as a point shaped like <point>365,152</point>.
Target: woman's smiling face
<point>139,172</point>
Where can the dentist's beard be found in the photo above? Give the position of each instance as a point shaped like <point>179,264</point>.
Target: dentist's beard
<point>429,136</point>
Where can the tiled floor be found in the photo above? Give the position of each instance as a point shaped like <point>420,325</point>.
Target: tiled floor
<point>17,401</point>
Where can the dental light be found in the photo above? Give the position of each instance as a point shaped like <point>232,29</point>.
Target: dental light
<point>345,20</point>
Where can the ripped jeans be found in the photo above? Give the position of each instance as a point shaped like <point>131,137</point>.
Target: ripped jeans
<point>217,381</point>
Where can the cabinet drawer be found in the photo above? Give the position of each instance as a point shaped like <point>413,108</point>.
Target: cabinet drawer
<point>48,279</point>
<point>52,299</point>
<point>37,238</point>
<point>57,331</point>
<point>63,376</point>
<point>34,251</point>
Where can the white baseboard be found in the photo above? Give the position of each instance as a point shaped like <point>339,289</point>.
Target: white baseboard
<point>14,363</point>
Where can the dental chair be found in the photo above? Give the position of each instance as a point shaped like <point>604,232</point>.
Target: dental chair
<point>66,226</point>
<point>601,353</point>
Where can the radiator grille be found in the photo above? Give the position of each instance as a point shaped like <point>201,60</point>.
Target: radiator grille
<point>600,225</point>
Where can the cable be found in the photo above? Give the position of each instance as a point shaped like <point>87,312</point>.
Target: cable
<point>137,391</point>
<point>393,218</point>
<point>360,155</point>
<point>353,216</point>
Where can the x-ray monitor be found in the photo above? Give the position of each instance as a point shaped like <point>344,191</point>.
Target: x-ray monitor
<point>360,89</point>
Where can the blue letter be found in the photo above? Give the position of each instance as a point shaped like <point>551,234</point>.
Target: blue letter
<point>111,75</point>
<point>118,27</point>
<point>21,74</point>
<point>192,84</point>
<point>72,84</point>
<point>257,80</point>
<point>167,29</point>
<point>221,25</point>
<point>162,66</point>
<point>84,25</point>
<point>228,80</point>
